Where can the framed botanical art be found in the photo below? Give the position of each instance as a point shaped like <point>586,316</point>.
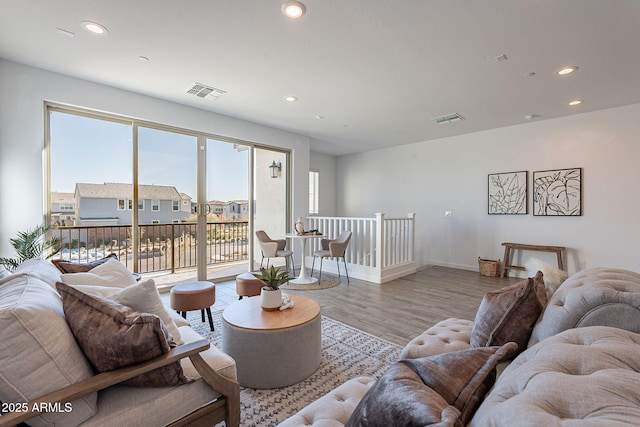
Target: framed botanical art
<point>507,193</point>
<point>557,192</point>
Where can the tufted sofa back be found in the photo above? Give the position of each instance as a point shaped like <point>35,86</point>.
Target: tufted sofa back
<point>593,297</point>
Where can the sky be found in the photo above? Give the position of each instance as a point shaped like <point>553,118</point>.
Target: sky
<point>98,151</point>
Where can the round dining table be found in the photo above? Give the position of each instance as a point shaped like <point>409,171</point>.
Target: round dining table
<point>303,278</point>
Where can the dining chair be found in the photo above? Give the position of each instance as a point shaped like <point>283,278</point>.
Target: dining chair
<point>333,249</point>
<point>274,249</point>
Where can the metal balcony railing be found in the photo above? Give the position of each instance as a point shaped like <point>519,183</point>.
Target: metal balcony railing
<point>162,247</point>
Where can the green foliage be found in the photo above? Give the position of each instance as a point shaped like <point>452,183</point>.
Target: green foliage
<point>273,277</point>
<point>31,244</point>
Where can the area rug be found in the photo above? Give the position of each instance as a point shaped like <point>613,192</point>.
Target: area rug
<point>346,353</point>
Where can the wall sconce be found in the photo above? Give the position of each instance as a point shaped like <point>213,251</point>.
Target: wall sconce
<point>274,169</point>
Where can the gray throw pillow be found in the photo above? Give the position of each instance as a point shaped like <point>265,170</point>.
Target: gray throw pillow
<point>443,390</point>
<point>509,314</point>
<point>113,336</point>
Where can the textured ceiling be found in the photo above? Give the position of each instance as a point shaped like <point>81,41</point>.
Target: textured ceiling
<point>377,71</point>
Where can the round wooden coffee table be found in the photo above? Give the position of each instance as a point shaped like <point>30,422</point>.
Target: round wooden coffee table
<point>272,348</point>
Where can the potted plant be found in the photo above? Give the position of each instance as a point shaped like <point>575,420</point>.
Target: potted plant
<point>31,244</point>
<point>270,294</point>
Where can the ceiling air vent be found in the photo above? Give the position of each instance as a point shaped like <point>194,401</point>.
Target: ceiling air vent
<point>448,118</point>
<point>203,91</point>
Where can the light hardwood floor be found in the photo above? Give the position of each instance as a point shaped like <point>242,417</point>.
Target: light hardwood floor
<point>398,310</point>
<point>403,308</point>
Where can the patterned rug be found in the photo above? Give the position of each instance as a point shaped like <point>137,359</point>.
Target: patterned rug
<point>346,353</point>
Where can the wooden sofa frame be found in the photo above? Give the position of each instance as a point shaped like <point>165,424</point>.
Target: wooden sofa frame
<point>225,408</point>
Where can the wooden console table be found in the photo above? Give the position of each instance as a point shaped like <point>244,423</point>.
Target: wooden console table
<point>506,265</point>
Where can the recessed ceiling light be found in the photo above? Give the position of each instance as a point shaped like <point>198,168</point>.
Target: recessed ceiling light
<point>94,27</point>
<point>319,117</point>
<point>293,9</point>
<point>575,102</point>
<point>567,70</point>
<point>143,58</point>
<point>291,99</point>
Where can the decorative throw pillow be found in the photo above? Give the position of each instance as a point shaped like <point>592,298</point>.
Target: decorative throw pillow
<point>110,273</point>
<point>142,297</point>
<point>39,269</point>
<point>76,267</point>
<point>443,390</point>
<point>509,314</point>
<point>113,336</point>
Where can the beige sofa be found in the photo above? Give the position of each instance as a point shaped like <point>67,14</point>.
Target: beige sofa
<point>42,369</point>
<point>581,364</point>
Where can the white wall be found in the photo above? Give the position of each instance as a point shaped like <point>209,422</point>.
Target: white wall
<point>326,166</point>
<point>24,90</point>
<point>427,178</point>
<point>450,174</point>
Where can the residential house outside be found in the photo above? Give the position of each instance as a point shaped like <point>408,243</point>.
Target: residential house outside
<point>63,209</point>
<point>112,203</point>
<point>233,210</point>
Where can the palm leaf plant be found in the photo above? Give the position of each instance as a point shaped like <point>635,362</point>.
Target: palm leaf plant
<point>29,244</point>
<point>273,277</point>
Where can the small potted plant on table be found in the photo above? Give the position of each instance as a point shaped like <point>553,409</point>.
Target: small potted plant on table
<point>270,294</point>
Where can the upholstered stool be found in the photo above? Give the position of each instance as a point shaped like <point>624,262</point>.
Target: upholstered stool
<point>247,285</point>
<point>194,296</point>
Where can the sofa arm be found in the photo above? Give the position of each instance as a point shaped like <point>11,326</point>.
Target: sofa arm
<point>595,297</point>
<point>443,337</point>
<point>227,387</point>
<point>334,408</point>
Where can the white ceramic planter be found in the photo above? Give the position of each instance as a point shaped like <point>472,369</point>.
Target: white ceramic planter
<point>270,300</point>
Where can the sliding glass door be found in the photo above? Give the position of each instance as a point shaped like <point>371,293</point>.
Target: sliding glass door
<point>227,203</point>
<point>167,196</point>
<point>90,180</point>
<point>162,199</point>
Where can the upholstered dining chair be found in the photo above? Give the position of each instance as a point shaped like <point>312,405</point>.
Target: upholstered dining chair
<point>274,249</point>
<point>333,249</point>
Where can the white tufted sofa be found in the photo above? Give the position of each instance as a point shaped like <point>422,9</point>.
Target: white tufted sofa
<point>582,364</point>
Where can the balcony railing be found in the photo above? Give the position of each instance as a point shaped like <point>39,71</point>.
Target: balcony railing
<point>381,249</point>
<point>162,247</point>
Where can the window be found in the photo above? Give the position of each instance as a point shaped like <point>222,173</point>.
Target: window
<point>66,206</point>
<point>166,168</point>
<point>314,178</point>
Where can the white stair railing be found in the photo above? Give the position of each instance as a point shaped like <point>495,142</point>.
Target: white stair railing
<point>381,249</point>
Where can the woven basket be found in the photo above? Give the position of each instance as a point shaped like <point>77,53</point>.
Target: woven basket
<point>489,267</point>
